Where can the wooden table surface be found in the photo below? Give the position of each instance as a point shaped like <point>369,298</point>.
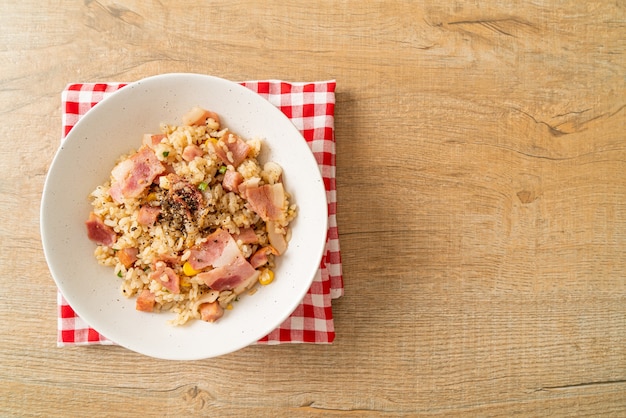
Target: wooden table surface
<point>481,205</point>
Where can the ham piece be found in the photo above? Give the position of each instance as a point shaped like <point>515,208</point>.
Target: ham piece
<point>133,175</point>
<point>169,258</point>
<point>127,256</point>
<point>261,256</point>
<point>198,116</point>
<point>148,215</point>
<point>145,301</point>
<point>211,311</point>
<point>98,232</point>
<point>231,149</point>
<point>246,236</point>
<point>232,180</point>
<point>166,276</point>
<point>152,140</point>
<point>192,151</point>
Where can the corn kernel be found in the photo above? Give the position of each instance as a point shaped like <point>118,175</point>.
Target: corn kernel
<point>211,140</point>
<point>229,307</point>
<point>266,277</point>
<point>188,270</point>
<point>151,197</point>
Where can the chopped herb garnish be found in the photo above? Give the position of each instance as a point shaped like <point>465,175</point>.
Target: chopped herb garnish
<point>222,169</point>
<point>119,274</point>
<point>202,186</point>
<point>166,153</point>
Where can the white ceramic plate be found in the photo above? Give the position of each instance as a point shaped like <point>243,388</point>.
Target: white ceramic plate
<point>85,159</point>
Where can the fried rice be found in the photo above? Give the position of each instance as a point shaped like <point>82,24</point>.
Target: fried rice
<point>202,205</point>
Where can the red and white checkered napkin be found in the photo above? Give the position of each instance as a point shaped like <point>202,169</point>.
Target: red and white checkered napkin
<point>311,107</point>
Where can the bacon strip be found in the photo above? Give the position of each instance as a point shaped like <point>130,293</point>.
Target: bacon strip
<point>133,175</point>
<point>267,200</point>
<point>230,276</point>
<point>220,245</point>
<point>277,238</point>
<point>230,268</point>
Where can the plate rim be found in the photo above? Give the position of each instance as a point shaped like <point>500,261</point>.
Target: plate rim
<point>72,136</point>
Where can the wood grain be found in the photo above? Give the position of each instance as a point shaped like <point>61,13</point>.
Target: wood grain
<point>481,205</point>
